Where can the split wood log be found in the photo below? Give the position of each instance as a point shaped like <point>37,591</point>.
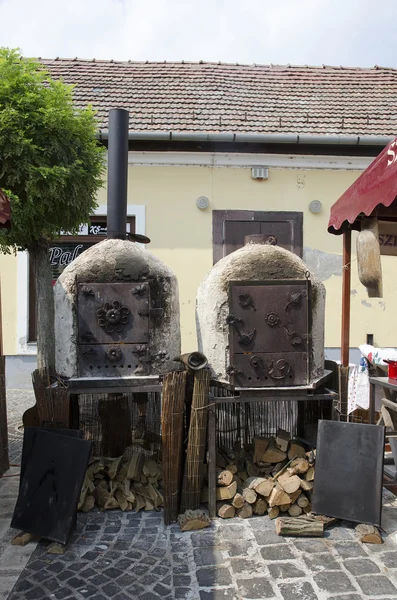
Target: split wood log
<point>134,467</point>
<point>114,467</point>
<point>259,507</point>
<point>310,474</point>
<point>222,493</point>
<point>243,475</point>
<point>290,484</point>
<point>245,511</point>
<point>294,510</point>
<point>89,503</point>
<point>278,496</point>
<point>260,445</point>
<point>249,495</point>
<point>261,485</point>
<point>307,486</point>
<point>224,478</point>
<point>279,467</point>
<point>273,512</point>
<point>283,470</point>
<point>150,468</point>
<point>298,466</point>
<point>252,469</point>
<point>369,534</point>
<point>284,507</point>
<point>23,538</point>
<point>273,454</point>
<point>296,450</point>
<point>299,527</point>
<point>225,511</point>
<point>122,500</point>
<point>295,495</point>
<point>282,439</point>
<point>193,519</point>
<point>302,501</point>
<point>232,468</point>
<point>238,501</point>
<point>307,509</point>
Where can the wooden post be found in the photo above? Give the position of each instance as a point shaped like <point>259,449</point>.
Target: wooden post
<point>346,280</point>
<point>4,461</point>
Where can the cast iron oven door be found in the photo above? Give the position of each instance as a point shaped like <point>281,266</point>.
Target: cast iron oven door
<point>113,329</point>
<point>269,333</point>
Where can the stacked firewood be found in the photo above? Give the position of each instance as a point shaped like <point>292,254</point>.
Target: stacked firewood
<point>275,475</point>
<point>128,482</point>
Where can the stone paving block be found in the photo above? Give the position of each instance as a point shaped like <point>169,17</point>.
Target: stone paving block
<point>361,566</point>
<point>64,575</point>
<point>36,593</point>
<point>181,593</point>
<point>347,597</point>
<point>239,548</point>
<point>235,531</point>
<point>210,576</point>
<point>62,593</point>
<point>377,585</point>
<point>302,590</point>
<point>111,589</point>
<point>161,590</point>
<point>276,552</point>
<point>255,587</point>
<point>181,580</point>
<point>247,566</point>
<point>264,537</point>
<point>88,590</point>
<point>333,582</point>
<point>339,533</point>
<point>321,562</point>
<point>149,596</point>
<point>112,572</point>
<point>350,549</point>
<point>125,580</point>
<point>389,559</point>
<point>311,546</point>
<point>208,556</point>
<point>180,569</point>
<point>75,583</point>
<point>285,571</point>
<point>219,594</point>
<point>51,584</point>
<point>135,590</point>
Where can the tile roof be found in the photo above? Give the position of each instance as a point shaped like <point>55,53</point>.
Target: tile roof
<point>231,98</point>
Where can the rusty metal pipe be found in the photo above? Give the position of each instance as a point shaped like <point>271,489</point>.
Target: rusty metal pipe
<point>193,360</point>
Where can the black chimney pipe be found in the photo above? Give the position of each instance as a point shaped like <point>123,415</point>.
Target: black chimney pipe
<point>117,174</point>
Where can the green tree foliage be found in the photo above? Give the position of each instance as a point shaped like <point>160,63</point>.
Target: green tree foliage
<point>51,167</point>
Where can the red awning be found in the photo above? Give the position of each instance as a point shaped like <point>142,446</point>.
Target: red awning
<point>377,185</point>
<point>5,210</point>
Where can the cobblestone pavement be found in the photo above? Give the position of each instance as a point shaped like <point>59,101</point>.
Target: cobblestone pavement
<point>134,556</point>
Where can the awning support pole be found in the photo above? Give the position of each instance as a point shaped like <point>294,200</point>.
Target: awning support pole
<point>346,277</point>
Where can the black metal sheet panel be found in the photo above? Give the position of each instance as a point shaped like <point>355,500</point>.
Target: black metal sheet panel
<point>113,312</point>
<point>270,369</point>
<point>112,360</point>
<point>271,317</point>
<point>349,471</point>
<point>51,486</point>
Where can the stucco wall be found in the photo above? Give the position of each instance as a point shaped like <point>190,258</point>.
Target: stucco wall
<point>182,238</point>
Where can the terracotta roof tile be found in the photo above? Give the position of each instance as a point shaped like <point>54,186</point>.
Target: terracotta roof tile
<point>230,98</point>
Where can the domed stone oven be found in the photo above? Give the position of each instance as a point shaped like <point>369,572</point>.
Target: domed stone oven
<point>117,313</point>
<point>260,318</point>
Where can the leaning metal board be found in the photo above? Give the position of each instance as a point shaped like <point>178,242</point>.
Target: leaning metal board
<point>349,471</point>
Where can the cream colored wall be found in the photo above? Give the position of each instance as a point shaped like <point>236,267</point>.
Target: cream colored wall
<point>182,237</point>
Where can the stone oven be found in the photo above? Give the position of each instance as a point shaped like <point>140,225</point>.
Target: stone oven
<point>116,305</point>
<point>260,318</point>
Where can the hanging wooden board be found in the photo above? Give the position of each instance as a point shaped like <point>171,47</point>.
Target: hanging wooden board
<point>349,471</point>
<point>50,485</point>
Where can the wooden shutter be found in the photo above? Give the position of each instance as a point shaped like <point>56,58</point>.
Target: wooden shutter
<point>231,226</point>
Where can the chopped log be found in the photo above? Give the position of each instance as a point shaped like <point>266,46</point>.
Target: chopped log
<point>307,486</point>
<point>243,475</point>
<point>23,538</point>
<point>273,454</point>
<point>278,496</point>
<point>307,509</point>
<point>261,485</point>
<point>279,467</point>
<point>252,469</point>
<point>232,468</point>
<point>326,521</point>
<point>310,474</point>
<point>369,534</point>
<point>134,467</point>
<point>282,439</point>
<point>290,484</point>
<point>296,450</point>
<point>283,470</point>
<point>193,519</point>
<point>225,511</point>
<point>224,478</point>
<point>302,501</point>
<point>295,495</point>
<point>311,456</point>
<point>150,468</point>
<point>299,527</point>
<point>284,507</point>
<point>260,445</point>
<point>273,512</point>
<point>245,511</point>
<point>121,499</point>
<point>140,502</point>
<point>294,510</point>
<point>298,466</point>
<point>249,495</point>
<point>259,507</point>
<point>222,493</point>
<point>114,467</point>
<point>89,503</point>
<point>238,501</point>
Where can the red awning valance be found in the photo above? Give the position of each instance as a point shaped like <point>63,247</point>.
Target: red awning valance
<point>5,210</point>
<point>377,185</point>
